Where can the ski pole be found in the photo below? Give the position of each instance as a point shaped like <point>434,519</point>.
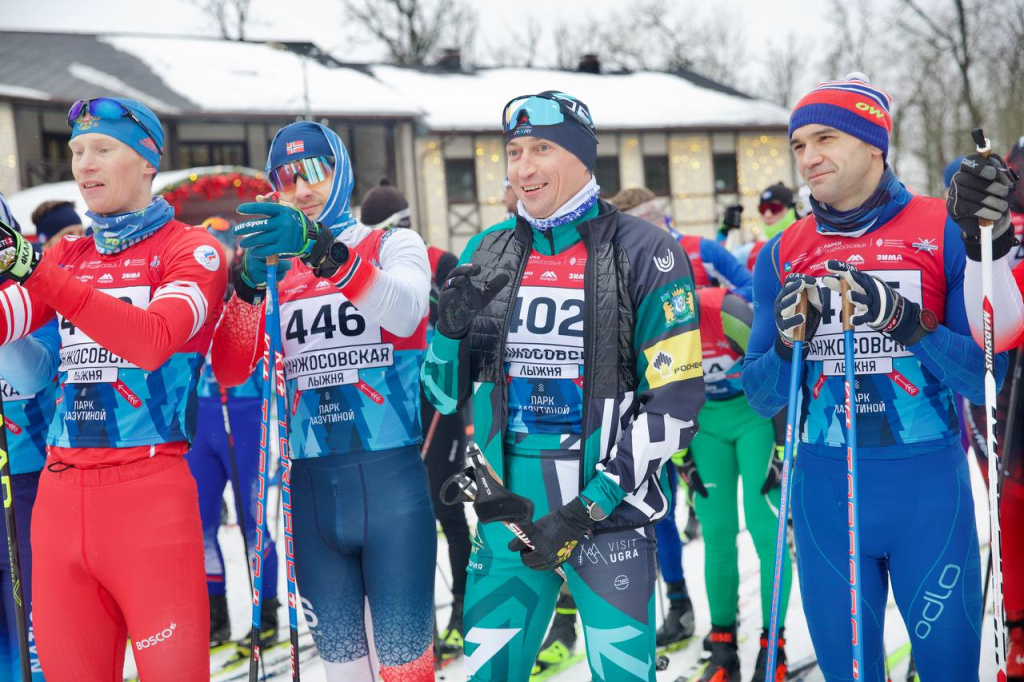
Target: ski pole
<point>792,418</point>
<point>21,609</point>
<point>277,371</point>
<point>234,481</point>
<point>853,505</point>
<point>984,148</point>
<point>261,491</point>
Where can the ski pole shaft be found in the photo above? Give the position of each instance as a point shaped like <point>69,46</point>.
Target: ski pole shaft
<point>853,502</point>
<point>277,372</point>
<point>236,488</point>
<point>261,491</point>
<point>14,554</point>
<point>988,317</point>
<point>792,418</point>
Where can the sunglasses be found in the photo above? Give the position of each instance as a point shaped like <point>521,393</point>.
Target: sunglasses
<point>771,207</point>
<point>544,110</point>
<point>104,107</point>
<point>313,170</point>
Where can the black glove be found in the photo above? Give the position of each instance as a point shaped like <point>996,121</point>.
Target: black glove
<point>786,317</point>
<point>688,470</point>
<point>733,217</point>
<point>554,536</point>
<point>980,190</point>
<point>460,300</point>
<point>876,304</point>
<point>773,477</point>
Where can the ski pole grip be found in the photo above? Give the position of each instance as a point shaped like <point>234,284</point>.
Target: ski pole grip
<point>983,147</point>
<point>272,260</point>
<point>847,305</point>
<point>800,332</point>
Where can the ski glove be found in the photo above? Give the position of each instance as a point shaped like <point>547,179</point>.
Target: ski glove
<point>250,278</point>
<point>285,231</point>
<point>876,304</point>
<point>786,317</point>
<point>773,478</point>
<point>688,470</point>
<point>460,300</point>
<point>554,536</point>
<point>981,189</point>
<point>18,259</point>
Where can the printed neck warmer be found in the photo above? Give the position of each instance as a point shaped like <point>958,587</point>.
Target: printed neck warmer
<point>887,200</point>
<point>115,233</point>
<point>569,211</point>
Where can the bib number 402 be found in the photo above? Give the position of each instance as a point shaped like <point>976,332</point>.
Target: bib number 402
<point>327,321</point>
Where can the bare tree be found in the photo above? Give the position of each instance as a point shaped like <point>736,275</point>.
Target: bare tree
<point>520,52</point>
<point>231,16</point>
<point>412,30</point>
<point>784,65</point>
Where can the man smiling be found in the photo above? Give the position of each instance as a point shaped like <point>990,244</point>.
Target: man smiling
<point>573,324</point>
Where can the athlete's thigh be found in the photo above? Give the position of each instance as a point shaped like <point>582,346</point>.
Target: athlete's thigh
<point>330,575</point>
<point>820,525</point>
<point>507,610</point>
<point>207,469</point>
<point>612,577</point>
<point>719,471</point>
<point>152,564</point>
<point>936,577</point>
<point>399,559</point>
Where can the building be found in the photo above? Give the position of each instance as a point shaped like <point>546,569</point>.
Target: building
<point>434,131</point>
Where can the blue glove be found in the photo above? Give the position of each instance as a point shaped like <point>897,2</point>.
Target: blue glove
<point>877,304</point>
<point>250,278</point>
<point>285,231</point>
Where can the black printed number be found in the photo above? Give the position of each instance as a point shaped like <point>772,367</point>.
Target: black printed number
<point>543,313</point>
<point>349,323</point>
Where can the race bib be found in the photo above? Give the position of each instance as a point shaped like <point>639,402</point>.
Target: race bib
<point>545,337</point>
<point>84,360</point>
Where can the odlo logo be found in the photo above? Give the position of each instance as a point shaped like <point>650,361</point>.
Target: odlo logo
<point>153,640</point>
<point>935,602</point>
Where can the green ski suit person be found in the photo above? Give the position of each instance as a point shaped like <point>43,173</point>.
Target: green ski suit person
<point>574,328</point>
<point>734,443</point>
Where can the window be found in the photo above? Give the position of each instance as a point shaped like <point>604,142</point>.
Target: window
<point>460,178</point>
<point>606,170</point>
<point>372,152</point>
<point>725,173</point>
<point>56,163</point>
<point>212,154</point>
<point>656,176</point>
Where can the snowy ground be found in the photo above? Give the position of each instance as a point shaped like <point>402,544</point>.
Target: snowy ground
<point>797,637</point>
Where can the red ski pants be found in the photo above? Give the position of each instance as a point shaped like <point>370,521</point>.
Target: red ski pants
<point>118,553</point>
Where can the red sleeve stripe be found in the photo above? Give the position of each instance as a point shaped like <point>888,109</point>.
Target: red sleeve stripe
<point>17,309</point>
<point>357,280</point>
<point>192,295</point>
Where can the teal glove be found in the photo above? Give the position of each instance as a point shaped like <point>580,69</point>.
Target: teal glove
<point>17,257</point>
<point>285,231</point>
<point>250,277</point>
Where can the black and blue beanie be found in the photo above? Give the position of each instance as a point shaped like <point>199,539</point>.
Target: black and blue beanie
<point>575,133</point>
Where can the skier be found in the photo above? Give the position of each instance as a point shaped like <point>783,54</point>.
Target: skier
<point>445,437</point>
<point>572,324</point>
<point>353,312</point>
<point>53,220</point>
<point>913,351</point>
<point>116,536</point>
<point>28,404</point>
<point>210,461</point>
<point>777,209</point>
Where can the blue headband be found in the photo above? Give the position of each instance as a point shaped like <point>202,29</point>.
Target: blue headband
<point>305,139</point>
<point>126,130</point>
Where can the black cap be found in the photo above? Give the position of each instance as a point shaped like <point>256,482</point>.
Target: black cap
<point>380,203</point>
<point>778,192</point>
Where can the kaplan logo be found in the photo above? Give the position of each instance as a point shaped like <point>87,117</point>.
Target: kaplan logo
<point>855,259</point>
<point>865,107</point>
<point>322,284</point>
<point>106,279</point>
<point>549,276</point>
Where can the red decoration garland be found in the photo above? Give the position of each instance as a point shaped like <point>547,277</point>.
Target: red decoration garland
<point>209,187</point>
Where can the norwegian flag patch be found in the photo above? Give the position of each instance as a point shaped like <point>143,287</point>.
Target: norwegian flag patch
<point>296,147</point>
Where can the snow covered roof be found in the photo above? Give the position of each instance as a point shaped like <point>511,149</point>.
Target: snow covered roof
<point>189,76</point>
<point>650,99</point>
